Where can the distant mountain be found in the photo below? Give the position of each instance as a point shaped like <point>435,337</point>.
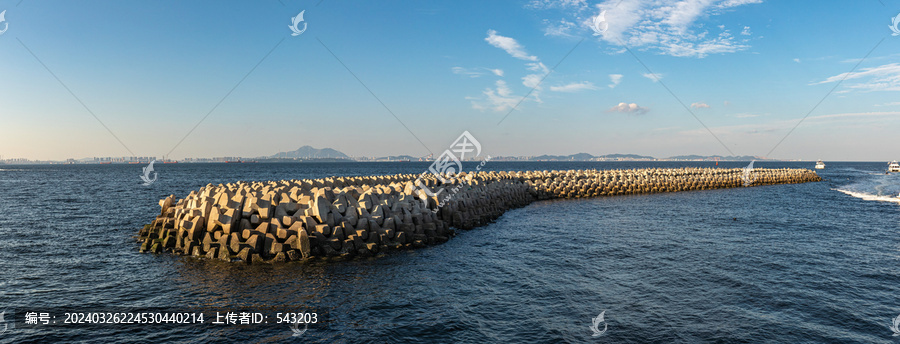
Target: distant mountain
<point>307,152</point>
<point>573,157</point>
<point>714,157</point>
<point>580,156</point>
<point>626,156</point>
<point>588,157</point>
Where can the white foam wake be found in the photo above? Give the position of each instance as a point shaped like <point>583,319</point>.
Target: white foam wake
<point>870,197</point>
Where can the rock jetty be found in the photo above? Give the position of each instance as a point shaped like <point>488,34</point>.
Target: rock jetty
<point>290,220</point>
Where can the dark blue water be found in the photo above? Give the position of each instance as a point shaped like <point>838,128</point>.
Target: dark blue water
<point>808,263</point>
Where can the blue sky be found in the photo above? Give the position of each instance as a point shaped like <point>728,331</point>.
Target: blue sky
<point>749,70</point>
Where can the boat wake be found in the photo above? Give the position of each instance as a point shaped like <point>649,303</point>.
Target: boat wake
<point>883,188</point>
<point>871,197</point>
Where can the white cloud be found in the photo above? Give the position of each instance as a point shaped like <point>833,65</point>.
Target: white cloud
<point>574,87</point>
<point>669,27</point>
<point>889,104</point>
<point>545,4</point>
<point>746,115</point>
<point>510,45</point>
<point>532,81</point>
<point>467,72</point>
<point>722,44</point>
<point>620,17</point>
<point>726,103</point>
<point>736,3</point>
<point>653,76</point>
<point>562,29</point>
<point>700,105</point>
<point>628,108</point>
<point>892,57</point>
<point>881,78</point>
<point>855,115</point>
<point>476,72</point>
<point>787,124</point>
<point>797,60</point>
<point>538,67</point>
<point>615,79</point>
<point>499,99</point>
<point>679,15</point>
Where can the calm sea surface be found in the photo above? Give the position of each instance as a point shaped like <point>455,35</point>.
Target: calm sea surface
<point>808,263</point>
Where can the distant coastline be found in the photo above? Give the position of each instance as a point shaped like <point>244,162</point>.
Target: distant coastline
<point>310,154</point>
<point>126,160</point>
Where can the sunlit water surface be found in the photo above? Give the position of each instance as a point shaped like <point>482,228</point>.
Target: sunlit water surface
<point>814,262</point>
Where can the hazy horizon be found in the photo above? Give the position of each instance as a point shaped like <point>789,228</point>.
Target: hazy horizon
<point>407,77</point>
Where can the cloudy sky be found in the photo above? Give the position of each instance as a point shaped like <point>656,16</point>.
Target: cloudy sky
<point>373,78</point>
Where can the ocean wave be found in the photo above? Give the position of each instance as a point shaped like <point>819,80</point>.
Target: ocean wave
<point>852,169</point>
<point>870,197</point>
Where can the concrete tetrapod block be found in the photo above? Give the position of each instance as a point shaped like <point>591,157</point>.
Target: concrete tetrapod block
<point>371,213</point>
<point>302,244</point>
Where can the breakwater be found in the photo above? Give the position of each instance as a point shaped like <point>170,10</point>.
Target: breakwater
<point>290,220</point>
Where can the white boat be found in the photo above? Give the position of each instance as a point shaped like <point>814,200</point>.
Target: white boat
<point>820,165</point>
<point>894,166</point>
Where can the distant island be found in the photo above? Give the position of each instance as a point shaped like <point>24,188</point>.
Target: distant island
<point>308,152</point>
<point>589,157</point>
<point>312,154</point>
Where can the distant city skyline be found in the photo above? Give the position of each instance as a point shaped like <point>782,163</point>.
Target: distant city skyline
<point>327,157</point>
<point>108,78</point>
